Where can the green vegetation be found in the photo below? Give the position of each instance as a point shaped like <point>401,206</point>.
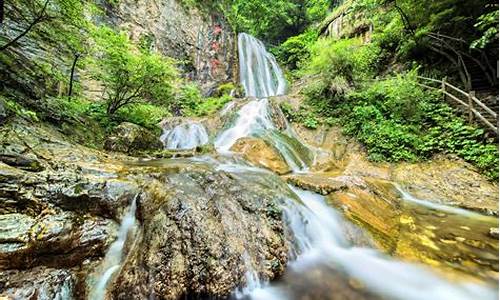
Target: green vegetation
<point>371,90</point>
<point>138,84</point>
<point>271,21</point>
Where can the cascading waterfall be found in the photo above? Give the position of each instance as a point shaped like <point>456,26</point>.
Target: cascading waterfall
<point>261,77</point>
<point>319,237</point>
<point>320,243</point>
<point>185,136</point>
<point>113,259</point>
<point>260,74</point>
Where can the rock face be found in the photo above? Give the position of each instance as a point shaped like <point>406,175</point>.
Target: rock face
<point>261,154</point>
<point>200,230</point>
<point>204,40</point>
<point>130,138</point>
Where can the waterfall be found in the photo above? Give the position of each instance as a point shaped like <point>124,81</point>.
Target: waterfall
<point>113,259</point>
<point>321,240</point>
<point>185,136</point>
<point>254,117</point>
<point>261,76</point>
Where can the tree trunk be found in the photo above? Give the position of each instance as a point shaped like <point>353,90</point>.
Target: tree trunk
<point>70,92</point>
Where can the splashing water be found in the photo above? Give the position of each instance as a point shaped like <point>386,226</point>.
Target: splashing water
<point>185,136</point>
<point>322,241</point>
<point>320,244</point>
<point>254,117</point>
<point>113,259</point>
<point>261,77</point>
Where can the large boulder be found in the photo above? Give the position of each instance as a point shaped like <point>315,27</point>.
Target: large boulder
<point>131,138</point>
<point>261,154</point>
<point>202,230</point>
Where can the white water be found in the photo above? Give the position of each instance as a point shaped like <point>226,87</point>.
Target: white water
<point>319,240</point>
<point>113,259</point>
<point>318,231</point>
<point>436,206</point>
<point>253,117</point>
<point>261,76</point>
<point>185,136</point>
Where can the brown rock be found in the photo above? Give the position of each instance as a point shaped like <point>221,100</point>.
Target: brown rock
<point>261,154</point>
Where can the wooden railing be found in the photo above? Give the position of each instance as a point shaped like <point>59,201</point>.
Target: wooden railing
<point>468,103</point>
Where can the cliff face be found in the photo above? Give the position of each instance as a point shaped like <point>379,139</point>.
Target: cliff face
<point>203,41</point>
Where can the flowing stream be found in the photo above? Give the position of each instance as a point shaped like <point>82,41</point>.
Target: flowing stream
<point>113,259</point>
<point>330,258</point>
<point>322,238</point>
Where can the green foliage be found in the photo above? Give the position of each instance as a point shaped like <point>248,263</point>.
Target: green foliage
<point>306,117</point>
<point>397,120</point>
<point>488,24</point>
<point>271,21</point>
<point>211,105</point>
<point>186,101</point>
<point>12,107</point>
<point>295,50</point>
<point>143,114</point>
<point>130,76</point>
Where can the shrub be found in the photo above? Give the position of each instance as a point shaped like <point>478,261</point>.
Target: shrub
<point>295,50</point>
<point>128,75</point>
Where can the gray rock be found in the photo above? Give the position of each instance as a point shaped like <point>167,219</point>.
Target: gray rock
<point>131,138</point>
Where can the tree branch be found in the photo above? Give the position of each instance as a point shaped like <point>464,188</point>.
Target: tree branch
<point>37,20</point>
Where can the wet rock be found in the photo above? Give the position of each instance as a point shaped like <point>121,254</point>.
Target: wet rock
<point>449,181</point>
<point>493,233</point>
<point>40,283</point>
<point>324,184</point>
<point>131,138</point>
<point>198,234</point>
<point>373,207</point>
<point>261,154</point>
<point>57,239</point>
<point>22,162</point>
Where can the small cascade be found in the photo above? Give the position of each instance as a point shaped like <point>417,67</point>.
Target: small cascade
<point>251,277</point>
<point>260,74</point>
<point>185,136</point>
<point>253,118</point>
<point>113,259</point>
<point>436,206</point>
<point>320,245</point>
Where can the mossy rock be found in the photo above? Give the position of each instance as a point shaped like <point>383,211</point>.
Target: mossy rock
<point>131,138</point>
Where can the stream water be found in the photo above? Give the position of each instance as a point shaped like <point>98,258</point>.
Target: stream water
<point>330,258</point>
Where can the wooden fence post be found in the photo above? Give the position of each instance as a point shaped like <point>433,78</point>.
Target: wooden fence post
<point>471,116</point>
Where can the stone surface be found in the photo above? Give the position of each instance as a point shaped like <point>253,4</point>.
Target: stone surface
<point>449,181</point>
<point>40,283</point>
<point>261,154</point>
<point>198,228</point>
<point>196,223</point>
<point>202,40</point>
<point>131,138</point>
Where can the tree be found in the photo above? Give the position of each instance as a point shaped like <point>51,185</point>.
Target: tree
<point>129,75</point>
